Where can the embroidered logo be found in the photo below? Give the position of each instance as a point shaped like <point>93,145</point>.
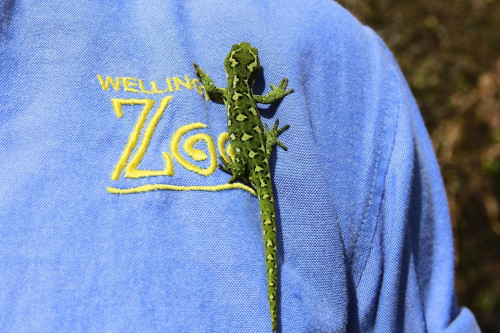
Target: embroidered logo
<point>128,163</point>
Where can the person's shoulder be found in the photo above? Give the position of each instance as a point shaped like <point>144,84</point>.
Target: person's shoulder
<point>327,19</point>
<point>335,40</point>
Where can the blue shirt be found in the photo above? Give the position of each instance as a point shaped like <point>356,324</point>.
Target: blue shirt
<point>115,218</point>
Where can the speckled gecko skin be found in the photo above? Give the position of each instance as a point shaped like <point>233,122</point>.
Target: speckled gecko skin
<point>252,144</point>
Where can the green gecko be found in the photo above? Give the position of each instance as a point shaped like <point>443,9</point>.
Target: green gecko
<point>252,144</point>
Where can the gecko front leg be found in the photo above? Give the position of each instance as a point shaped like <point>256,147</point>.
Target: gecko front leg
<point>216,93</point>
<point>277,93</point>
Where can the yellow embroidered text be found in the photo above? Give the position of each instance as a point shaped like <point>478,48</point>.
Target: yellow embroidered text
<point>135,85</point>
<point>131,170</point>
<point>196,154</point>
<point>128,162</point>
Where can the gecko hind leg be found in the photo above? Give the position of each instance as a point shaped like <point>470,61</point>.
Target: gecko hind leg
<point>234,169</point>
<point>272,136</point>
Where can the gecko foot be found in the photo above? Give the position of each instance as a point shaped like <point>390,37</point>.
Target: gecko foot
<point>281,91</point>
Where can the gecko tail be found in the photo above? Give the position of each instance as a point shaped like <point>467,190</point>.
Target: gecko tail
<point>268,216</point>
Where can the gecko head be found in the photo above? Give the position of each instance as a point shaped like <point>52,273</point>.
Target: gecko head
<point>243,61</point>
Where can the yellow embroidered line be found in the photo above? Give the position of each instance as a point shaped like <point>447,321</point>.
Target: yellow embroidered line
<point>155,187</point>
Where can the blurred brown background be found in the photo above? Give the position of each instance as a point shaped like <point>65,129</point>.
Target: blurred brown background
<point>449,52</point>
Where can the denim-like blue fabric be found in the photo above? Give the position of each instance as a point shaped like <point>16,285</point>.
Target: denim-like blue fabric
<point>364,234</point>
